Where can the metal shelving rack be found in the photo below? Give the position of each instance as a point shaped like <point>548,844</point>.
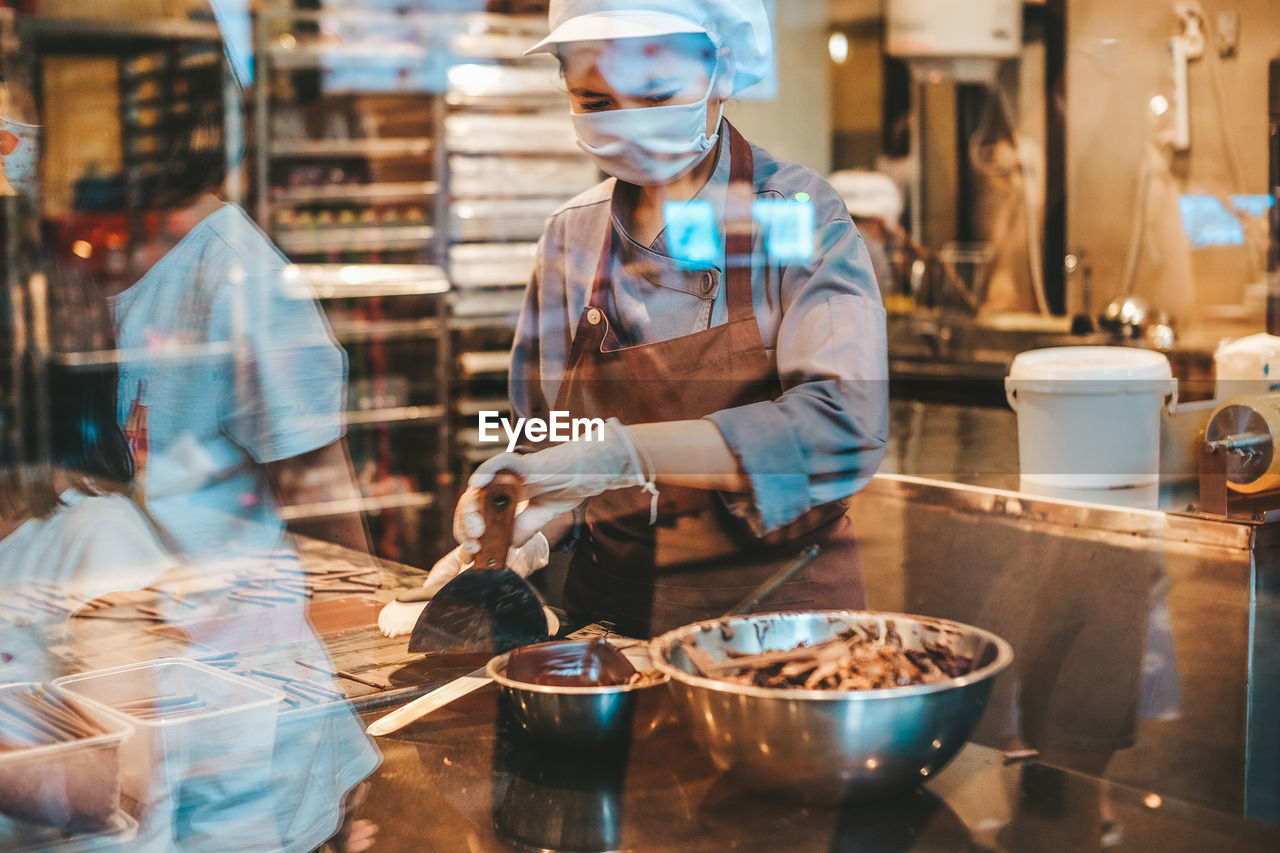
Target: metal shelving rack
<point>512,160</point>
<point>501,154</point>
<point>349,177</point>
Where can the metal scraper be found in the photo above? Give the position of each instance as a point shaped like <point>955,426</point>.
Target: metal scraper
<point>488,608</point>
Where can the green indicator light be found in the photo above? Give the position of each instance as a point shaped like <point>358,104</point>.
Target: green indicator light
<point>802,196</point>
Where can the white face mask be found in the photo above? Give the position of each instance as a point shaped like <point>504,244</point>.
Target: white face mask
<point>648,146</point>
<point>19,158</point>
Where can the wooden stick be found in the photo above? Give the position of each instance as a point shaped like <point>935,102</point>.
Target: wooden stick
<point>349,572</point>
<point>313,690</point>
<point>41,603</point>
<point>342,673</point>
<point>116,617</point>
<point>363,589</point>
<point>265,673</point>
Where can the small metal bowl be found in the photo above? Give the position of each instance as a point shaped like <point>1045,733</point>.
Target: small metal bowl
<point>829,745</point>
<point>579,717</point>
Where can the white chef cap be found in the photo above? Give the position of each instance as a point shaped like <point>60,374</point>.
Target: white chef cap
<point>870,195</point>
<point>739,26</point>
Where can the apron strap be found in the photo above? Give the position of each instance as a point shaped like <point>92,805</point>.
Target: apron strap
<point>739,240</point>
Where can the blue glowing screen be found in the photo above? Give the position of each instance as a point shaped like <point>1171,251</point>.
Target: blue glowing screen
<point>1207,222</point>
<point>696,240</point>
<point>788,228</point>
<point>1253,205</point>
<point>693,234</point>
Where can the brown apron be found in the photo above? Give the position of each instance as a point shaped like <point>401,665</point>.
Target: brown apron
<point>697,559</point>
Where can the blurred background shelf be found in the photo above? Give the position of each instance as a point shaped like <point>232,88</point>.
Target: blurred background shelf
<point>356,192</point>
<point>363,148</point>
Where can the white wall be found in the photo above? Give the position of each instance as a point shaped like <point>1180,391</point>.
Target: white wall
<point>795,125</point>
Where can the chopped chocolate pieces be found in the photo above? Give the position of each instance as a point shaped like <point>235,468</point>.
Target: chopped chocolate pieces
<point>847,662</point>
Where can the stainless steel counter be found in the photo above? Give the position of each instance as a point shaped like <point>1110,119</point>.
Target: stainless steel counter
<point>1148,640</point>
<point>465,780</point>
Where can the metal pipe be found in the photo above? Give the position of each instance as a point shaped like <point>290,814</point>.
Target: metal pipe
<point>1244,441</point>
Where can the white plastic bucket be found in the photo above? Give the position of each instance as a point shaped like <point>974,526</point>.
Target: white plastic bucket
<point>1089,417</point>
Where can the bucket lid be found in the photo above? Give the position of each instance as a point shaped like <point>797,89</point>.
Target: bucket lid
<point>1056,363</point>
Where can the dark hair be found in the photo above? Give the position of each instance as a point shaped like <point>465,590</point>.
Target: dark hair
<point>58,416</point>
<point>195,159</point>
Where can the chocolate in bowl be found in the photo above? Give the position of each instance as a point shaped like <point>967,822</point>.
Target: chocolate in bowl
<point>573,663</point>
<point>569,712</point>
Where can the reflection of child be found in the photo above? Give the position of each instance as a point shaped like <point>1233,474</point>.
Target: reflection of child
<point>68,531</point>
<point>94,543</point>
<point>260,381</point>
<point>8,142</point>
<point>19,142</point>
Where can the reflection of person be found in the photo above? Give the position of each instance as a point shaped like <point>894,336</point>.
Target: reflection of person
<point>1075,607</point>
<point>875,205</point>
<point>745,389</point>
<point>234,385</point>
<point>253,404</point>
<point>69,532</point>
<point>231,394</point>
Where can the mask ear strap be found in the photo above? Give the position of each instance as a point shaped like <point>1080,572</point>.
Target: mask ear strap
<point>711,88</point>
<point>723,59</point>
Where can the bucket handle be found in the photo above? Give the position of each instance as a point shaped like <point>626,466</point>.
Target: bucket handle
<point>1170,395</point>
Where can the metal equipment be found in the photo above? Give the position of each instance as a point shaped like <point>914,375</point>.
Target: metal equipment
<point>821,745</point>
<point>1239,466</point>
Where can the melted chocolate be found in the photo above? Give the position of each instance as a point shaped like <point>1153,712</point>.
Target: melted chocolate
<point>573,663</point>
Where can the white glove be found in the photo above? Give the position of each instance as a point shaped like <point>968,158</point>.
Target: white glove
<point>399,617</point>
<point>555,481</point>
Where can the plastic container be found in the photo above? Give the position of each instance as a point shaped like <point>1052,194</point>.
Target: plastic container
<point>1249,365</point>
<point>117,833</point>
<point>1089,417</point>
<point>70,786</point>
<point>228,739</point>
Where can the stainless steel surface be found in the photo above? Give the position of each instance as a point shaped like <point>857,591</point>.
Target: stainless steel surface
<point>826,744</point>
<point>952,337</point>
<point>934,349</point>
<point>1091,518</point>
<point>1000,556</point>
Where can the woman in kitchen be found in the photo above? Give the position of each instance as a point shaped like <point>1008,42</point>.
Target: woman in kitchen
<point>717,306</point>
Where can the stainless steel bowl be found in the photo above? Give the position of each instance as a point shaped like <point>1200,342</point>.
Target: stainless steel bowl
<point>826,744</point>
<point>572,716</point>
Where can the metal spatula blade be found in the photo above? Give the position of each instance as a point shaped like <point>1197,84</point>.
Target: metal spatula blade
<point>488,608</point>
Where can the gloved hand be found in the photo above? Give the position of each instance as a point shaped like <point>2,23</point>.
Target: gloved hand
<point>399,617</point>
<point>555,481</point>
